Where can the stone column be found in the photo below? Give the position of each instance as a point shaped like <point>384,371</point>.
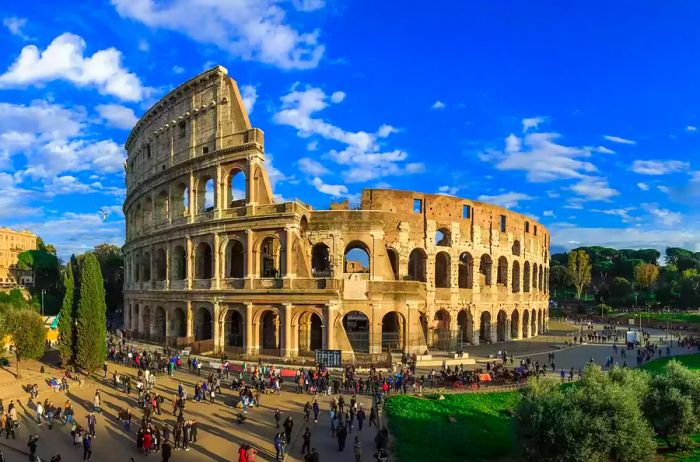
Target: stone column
<point>216,254</point>
<point>290,345</point>
<point>168,267</point>
<point>216,325</point>
<point>476,328</point>
<point>249,261</point>
<point>219,193</point>
<point>191,206</point>
<point>249,340</point>
<point>330,311</point>
<point>250,182</point>
<point>189,320</point>
<point>189,258</point>
<point>289,269</point>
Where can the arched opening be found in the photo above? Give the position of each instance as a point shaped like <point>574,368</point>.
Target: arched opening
<point>533,323</point>
<point>136,268</point>
<point>502,274</point>
<point>159,323</point>
<point>516,248</point>
<point>466,271</point>
<point>515,277</point>
<point>134,318</point>
<point>178,323</point>
<point>270,257</point>
<point>526,324</point>
<point>526,277</point>
<point>179,265</point>
<point>485,327</point>
<point>233,329</point>
<point>204,194</point>
<point>203,325</point>
<point>539,279</point>
<point>161,211</point>
<point>270,331</point>
<point>236,189</point>
<point>392,332</point>
<point>394,262</point>
<point>501,326</point>
<point>540,324</point>
<point>147,212</point>
<point>356,326</point>
<point>179,201</point>
<point>138,217</point>
<point>424,327</point>
<point>442,270</point>
<point>416,265</point>
<point>442,237</point>
<point>236,259</point>
<point>310,332</point>
<point>145,327</point>
<point>534,277</point>
<point>465,321</point>
<point>146,267</point>
<point>320,261</point>
<point>515,325</point>
<point>203,261</point>
<point>485,270</point>
<point>442,337</point>
<point>356,258</point>
<point>161,265</point>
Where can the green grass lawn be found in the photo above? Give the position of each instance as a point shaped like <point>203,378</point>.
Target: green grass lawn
<point>690,361</point>
<point>483,429</point>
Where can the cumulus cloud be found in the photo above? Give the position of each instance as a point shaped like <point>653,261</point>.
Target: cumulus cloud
<point>254,30</point>
<point>643,186</point>
<point>337,96</point>
<point>663,216</point>
<point>64,59</point>
<point>619,140</point>
<point>335,190</point>
<point>604,150</point>
<point>308,5</point>
<point>16,25</point>
<point>659,167</point>
<point>691,128</point>
<point>593,188</point>
<point>311,167</point>
<point>507,200</point>
<point>623,213</point>
<point>548,213</point>
<point>249,94</point>
<point>628,237</point>
<point>362,155</point>
<point>449,190</point>
<point>532,122</point>
<point>117,116</point>
<point>437,105</point>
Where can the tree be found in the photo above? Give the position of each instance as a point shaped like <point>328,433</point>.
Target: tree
<point>579,265</point>
<point>91,330</point>
<point>645,275</point>
<point>28,334</point>
<point>112,265</point>
<point>559,278</point>
<point>66,327</point>
<point>620,290</point>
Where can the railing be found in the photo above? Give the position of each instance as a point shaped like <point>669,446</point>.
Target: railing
<point>267,283</point>
<point>178,284</point>
<point>202,284</point>
<point>158,285</point>
<point>233,283</point>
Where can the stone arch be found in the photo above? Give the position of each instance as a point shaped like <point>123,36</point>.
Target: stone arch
<point>203,261</point>
<point>393,256</point>
<point>235,255</point>
<point>179,200</point>
<point>310,331</point>
<point>516,248</point>
<point>485,270</point>
<point>466,271</point>
<point>205,193</point>
<point>234,329</point>
<point>270,257</point>
<point>270,331</point>
<point>526,324</point>
<point>161,206</point>
<point>236,188</point>
<point>146,266</point>
<point>485,327</point>
<point>443,237</point>
<point>178,323</point>
<point>515,277</point>
<point>515,325</point>
<point>356,252</point>
<point>356,325</point>
<point>145,324</point>
<point>526,277</point>
<point>160,323</point>
<point>534,277</point>
<point>501,326</point>
<point>502,272</point>
<point>533,323</point>
<point>465,321</point>
<point>539,279</point>
<point>179,263</point>
<point>540,318</point>
<point>147,212</point>
<point>393,325</point>
<point>203,324</point>
<point>442,335</point>
<point>138,217</point>
<point>442,270</point>
<point>134,318</point>
<point>161,264</point>
<point>320,260</point>
<point>417,260</point>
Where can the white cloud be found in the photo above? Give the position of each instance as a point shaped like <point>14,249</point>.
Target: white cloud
<point>178,69</point>
<point>643,186</point>
<point>312,145</point>
<point>57,157</point>
<point>117,116</point>
<point>548,213</point>
<point>254,30</point>
<point>629,237</point>
<point>273,173</point>
<point>449,190</point>
<point>663,189</point>
<point>532,122</point>
<point>691,128</point>
<point>337,96</point>
<point>663,216</point>
<point>144,46</point>
<point>249,94</point>
<point>15,26</point>
<point>335,190</point>
<point>64,59</point>
<point>623,213</point>
<point>362,154</point>
<point>308,5</point>
<point>604,150</point>
<point>311,167</point>
<point>594,188</point>
<point>507,200</point>
<point>437,105</point>
<point>659,167</point>
<point>619,140</point>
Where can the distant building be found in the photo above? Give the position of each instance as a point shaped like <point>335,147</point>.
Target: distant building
<point>12,243</point>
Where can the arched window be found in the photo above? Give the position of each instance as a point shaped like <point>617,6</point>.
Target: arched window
<point>356,258</point>
<point>179,265</point>
<point>485,269</point>
<point>320,261</point>
<point>148,212</point>
<point>442,270</point>
<point>526,277</point>
<point>466,271</point>
<point>203,261</point>
<point>270,251</point>
<point>393,256</point>
<point>236,259</point>
<point>516,277</point>
<point>205,194</point>
<point>442,237</point>
<point>138,217</point>
<point>534,277</point>
<point>161,211</point>
<point>502,275</point>
<point>356,325</point>
<point>178,323</point>
<point>516,248</point>
<point>203,325</point>
<point>236,190</point>
<point>179,201</point>
<point>161,265</point>
<point>146,267</point>
<point>417,265</point>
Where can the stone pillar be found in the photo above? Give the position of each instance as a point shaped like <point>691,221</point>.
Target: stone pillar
<point>330,311</point>
<point>219,192</point>
<point>494,329</point>
<point>250,182</point>
<point>375,332</point>
<point>189,320</point>
<point>249,340</point>
<point>189,258</point>
<point>216,254</point>
<point>476,328</point>
<point>127,315</point>
<point>168,267</point>
<point>249,261</point>
<point>290,345</point>
<point>191,206</point>
<point>289,269</point>
<point>216,325</point>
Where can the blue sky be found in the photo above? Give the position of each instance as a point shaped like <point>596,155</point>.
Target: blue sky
<point>583,115</point>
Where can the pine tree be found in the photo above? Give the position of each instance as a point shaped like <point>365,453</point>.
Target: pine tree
<point>66,344</point>
<point>91,311</point>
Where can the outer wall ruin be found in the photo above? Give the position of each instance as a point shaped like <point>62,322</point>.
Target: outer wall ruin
<point>213,262</point>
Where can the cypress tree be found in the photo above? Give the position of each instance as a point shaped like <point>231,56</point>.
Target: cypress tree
<point>91,315</point>
<point>66,345</point>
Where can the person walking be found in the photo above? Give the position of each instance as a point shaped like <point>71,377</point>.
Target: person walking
<point>317,410</point>
<point>87,447</point>
<point>342,436</point>
<point>31,444</point>
<point>241,454</point>
<point>288,426</point>
<point>306,447</point>
<point>91,421</point>
<point>278,416</point>
<point>307,412</point>
<point>39,412</point>
<point>279,446</point>
<point>193,431</point>
<point>357,449</point>
<point>166,450</point>
<point>373,417</point>
<point>97,402</point>
<point>360,418</point>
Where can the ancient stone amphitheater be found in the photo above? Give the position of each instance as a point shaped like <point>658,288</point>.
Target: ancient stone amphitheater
<point>215,263</point>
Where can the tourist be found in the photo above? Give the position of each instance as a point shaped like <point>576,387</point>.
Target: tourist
<point>279,446</point>
<point>313,457</point>
<point>342,436</point>
<point>241,454</point>
<point>288,426</point>
<point>307,412</point>
<point>166,450</point>
<point>250,453</point>
<point>278,416</point>
<point>360,417</point>
<point>91,421</point>
<point>87,447</point>
<point>317,410</point>
<point>97,401</point>
<point>31,444</point>
<point>357,449</point>
<point>306,447</point>
<point>373,417</point>
<point>193,431</point>
<point>39,412</point>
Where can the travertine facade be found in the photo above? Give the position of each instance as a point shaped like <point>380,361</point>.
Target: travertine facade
<point>12,243</point>
<point>213,262</point>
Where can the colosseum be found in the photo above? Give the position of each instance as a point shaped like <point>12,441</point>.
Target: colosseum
<point>213,262</point>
